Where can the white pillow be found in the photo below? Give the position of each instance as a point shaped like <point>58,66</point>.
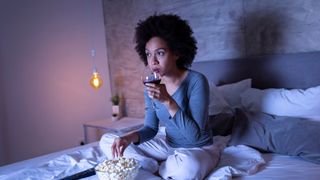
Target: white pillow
<point>217,104</point>
<point>231,92</point>
<point>223,99</point>
<point>284,102</point>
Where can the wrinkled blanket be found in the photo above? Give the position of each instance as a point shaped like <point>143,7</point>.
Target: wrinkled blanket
<point>234,161</point>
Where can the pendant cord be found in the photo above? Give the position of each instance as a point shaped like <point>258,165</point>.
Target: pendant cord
<point>92,36</point>
<point>93,57</point>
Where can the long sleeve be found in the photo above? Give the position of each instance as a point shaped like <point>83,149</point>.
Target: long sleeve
<point>188,127</point>
<point>151,121</point>
<point>191,120</point>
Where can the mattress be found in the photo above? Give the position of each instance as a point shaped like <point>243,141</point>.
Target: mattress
<point>238,162</point>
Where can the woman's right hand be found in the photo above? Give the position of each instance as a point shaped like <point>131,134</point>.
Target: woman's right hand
<point>118,146</point>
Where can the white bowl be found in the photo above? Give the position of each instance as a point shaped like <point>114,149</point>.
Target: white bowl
<point>118,169</point>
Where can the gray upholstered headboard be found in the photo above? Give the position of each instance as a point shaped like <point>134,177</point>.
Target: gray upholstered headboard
<point>300,70</point>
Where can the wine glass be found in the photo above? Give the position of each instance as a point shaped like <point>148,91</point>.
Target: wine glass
<point>149,76</point>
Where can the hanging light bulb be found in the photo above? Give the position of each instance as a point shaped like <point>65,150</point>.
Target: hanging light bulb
<point>96,81</point>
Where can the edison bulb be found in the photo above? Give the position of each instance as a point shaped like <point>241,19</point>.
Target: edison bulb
<point>96,81</point>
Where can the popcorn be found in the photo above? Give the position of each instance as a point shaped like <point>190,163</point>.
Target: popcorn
<point>118,169</point>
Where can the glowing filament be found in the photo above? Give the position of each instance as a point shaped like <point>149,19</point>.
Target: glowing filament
<point>96,81</point>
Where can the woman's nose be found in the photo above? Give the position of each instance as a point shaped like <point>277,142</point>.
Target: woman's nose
<point>154,60</point>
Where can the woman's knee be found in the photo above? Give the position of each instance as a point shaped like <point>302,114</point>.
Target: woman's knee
<point>106,142</point>
<point>191,167</point>
<point>181,166</point>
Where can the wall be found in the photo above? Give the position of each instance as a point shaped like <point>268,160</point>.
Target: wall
<point>225,30</point>
<point>46,59</point>
<point>3,141</point>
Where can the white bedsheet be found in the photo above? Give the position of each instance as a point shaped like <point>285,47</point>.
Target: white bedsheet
<point>282,167</point>
<point>54,166</point>
<point>239,162</point>
<point>235,160</point>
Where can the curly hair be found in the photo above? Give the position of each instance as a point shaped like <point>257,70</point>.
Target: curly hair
<point>174,31</point>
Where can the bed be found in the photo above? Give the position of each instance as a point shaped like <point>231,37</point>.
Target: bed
<point>259,136</point>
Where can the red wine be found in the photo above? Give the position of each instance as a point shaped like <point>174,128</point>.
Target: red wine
<point>157,81</point>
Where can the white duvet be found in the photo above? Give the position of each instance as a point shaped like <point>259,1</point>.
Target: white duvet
<point>234,161</point>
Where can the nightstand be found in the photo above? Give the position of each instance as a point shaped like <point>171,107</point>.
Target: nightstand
<point>121,126</point>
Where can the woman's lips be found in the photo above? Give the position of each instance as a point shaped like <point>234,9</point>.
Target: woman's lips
<point>156,70</point>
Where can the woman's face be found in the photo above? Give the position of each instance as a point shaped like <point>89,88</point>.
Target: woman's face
<point>160,58</point>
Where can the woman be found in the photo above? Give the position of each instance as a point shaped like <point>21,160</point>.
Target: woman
<point>165,43</point>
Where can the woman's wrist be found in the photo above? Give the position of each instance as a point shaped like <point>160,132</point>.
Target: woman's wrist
<point>130,138</point>
<point>125,139</point>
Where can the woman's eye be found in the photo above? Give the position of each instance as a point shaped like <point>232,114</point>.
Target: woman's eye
<point>148,54</point>
<point>161,53</point>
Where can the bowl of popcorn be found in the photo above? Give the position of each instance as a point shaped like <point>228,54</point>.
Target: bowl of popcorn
<point>118,169</point>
